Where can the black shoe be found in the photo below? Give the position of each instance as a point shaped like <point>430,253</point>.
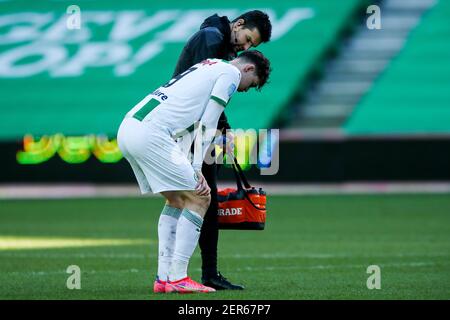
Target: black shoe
<point>218,282</point>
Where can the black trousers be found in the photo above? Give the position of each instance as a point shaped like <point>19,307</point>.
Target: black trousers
<point>209,234</point>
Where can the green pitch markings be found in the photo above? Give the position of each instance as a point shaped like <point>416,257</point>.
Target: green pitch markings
<point>313,247</point>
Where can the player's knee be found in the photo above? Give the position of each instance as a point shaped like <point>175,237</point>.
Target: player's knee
<point>197,200</point>
<point>175,200</point>
<point>204,201</point>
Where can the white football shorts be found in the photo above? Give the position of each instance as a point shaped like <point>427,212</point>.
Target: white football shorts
<point>156,159</point>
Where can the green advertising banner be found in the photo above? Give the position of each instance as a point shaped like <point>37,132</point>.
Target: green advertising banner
<point>56,78</point>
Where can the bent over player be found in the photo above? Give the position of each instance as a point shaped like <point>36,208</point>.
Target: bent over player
<point>222,39</point>
<point>147,138</point>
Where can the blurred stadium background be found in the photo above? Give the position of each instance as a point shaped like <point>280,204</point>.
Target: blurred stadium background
<point>359,110</point>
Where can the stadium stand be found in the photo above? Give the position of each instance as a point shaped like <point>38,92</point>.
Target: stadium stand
<point>412,96</point>
<point>77,82</point>
<point>81,82</point>
<point>359,60</point>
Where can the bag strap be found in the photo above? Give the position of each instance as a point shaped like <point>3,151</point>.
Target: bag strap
<point>240,178</point>
<point>241,173</point>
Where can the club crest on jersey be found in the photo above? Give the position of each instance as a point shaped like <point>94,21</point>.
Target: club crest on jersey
<point>231,89</point>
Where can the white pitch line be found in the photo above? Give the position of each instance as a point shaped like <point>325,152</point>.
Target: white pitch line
<point>73,255</point>
<point>416,264</point>
<point>47,273</point>
<point>334,266</point>
<point>225,256</point>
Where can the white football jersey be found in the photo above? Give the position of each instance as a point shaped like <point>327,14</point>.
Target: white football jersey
<point>180,103</point>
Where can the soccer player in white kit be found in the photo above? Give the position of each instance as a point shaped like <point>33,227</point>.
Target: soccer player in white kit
<point>149,138</point>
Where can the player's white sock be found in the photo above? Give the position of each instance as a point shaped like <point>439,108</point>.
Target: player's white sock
<point>167,228</point>
<point>188,233</point>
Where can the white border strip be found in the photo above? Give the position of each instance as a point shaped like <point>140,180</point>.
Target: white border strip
<point>67,191</point>
<point>338,134</point>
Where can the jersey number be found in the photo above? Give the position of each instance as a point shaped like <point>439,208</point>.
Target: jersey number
<point>178,77</point>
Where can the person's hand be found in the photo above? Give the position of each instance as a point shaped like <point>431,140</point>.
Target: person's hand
<point>229,139</point>
<point>202,188</point>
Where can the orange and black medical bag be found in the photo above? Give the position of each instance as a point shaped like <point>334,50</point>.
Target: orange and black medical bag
<point>243,208</point>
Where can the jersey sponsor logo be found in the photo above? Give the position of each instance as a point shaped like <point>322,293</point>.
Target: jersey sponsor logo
<point>231,89</point>
<point>230,212</point>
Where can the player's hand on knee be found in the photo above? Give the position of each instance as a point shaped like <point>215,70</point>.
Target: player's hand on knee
<point>202,188</point>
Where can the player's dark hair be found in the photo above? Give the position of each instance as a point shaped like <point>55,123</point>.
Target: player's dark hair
<point>257,19</point>
<point>262,65</point>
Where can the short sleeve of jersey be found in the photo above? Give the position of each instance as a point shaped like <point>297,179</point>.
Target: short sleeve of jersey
<point>225,86</point>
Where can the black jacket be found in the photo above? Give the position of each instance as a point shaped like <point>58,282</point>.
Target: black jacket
<point>211,41</point>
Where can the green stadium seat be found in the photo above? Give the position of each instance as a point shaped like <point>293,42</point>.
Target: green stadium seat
<point>412,95</point>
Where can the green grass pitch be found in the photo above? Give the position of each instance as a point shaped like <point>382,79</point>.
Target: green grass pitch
<point>314,247</point>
